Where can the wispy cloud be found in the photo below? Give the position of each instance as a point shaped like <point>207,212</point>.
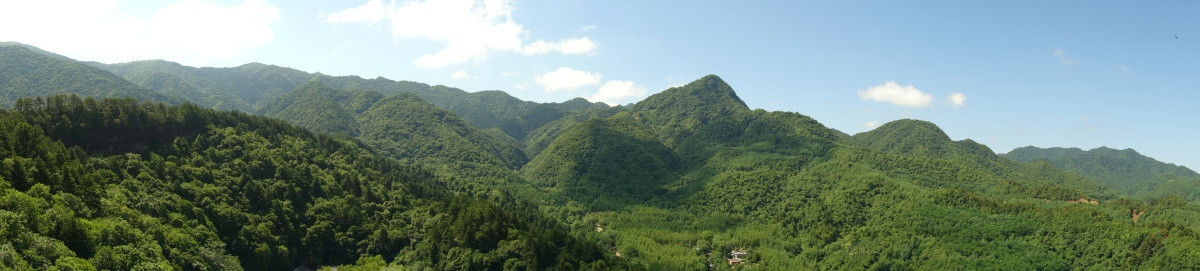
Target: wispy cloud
<point>471,29</point>
<point>1062,57</point>
<point>894,93</point>
<point>1122,68</point>
<point>870,124</point>
<point>957,99</point>
<point>574,46</point>
<point>459,74</point>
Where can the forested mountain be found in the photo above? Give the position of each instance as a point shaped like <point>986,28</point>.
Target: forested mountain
<point>377,172</point>
<point>1126,171</point>
<point>704,116</point>
<point>322,109</point>
<point>241,88</point>
<point>28,73</point>
<point>608,161</point>
<point>220,190</point>
<point>405,126</point>
<point>250,87</point>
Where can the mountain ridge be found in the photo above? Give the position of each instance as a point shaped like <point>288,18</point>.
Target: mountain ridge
<point>1125,170</point>
<point>669,183</point>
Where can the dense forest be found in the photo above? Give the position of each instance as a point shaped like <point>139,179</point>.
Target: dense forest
<point>1127,171</point>
<point>153,165</point>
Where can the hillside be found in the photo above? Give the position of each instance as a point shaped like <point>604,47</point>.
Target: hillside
<point>404,126</point>
<point>1127,171</point>
<point>220,190</point>
<point>605,162</point>
<point>28,73</point>
<point>250,87</point>
<point>373,172</point>
<point>321,109</point>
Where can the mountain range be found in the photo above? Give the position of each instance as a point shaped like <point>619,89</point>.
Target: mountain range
<point>156,165</point>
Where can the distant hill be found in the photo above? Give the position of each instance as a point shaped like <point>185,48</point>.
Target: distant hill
<point>28,73</point>
<point>242,88</point>
<point>1127,171</point>
<point>250,87</point>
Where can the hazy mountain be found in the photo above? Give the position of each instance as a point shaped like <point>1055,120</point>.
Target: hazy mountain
<point>28,73</point>
<point>1127,171</point>
<point>250,87</point>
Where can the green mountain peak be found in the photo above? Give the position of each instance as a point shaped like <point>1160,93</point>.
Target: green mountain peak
<point>709,93</point>
<point>906,136</point>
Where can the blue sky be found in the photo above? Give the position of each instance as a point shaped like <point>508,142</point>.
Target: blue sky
<point>1044,73</point>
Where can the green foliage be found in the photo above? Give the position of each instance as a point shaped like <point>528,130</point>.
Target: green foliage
<point>540,138</point>
<point>254,87</point>
<point>605,161</point>
<point>320,108</point>
<point>241,88</point>
<point>27,73</point>
<point>239,192</point>
<point>431,177</point>
<point>1125,171</point>
<point>404,126</point>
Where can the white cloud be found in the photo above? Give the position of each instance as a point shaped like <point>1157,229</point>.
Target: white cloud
<point>895,94</point>
<point>211,29</point>
<point>957,99</point>
<point>1062,56</point>
<point>470,28</point>
<point>101,30</point>
<point>567,79</point>
<point>870,124</point>
<point>614,92</point>
<point>460,74</point>
<point>576,46</point>
<point>521,85</point>
<point>1123,68</point>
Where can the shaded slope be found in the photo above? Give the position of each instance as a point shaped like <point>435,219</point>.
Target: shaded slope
<point>27,73</point>
<point>320,108</point>
<point>605,162</point>
<point>404,126</point>
<point>540,138</point>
